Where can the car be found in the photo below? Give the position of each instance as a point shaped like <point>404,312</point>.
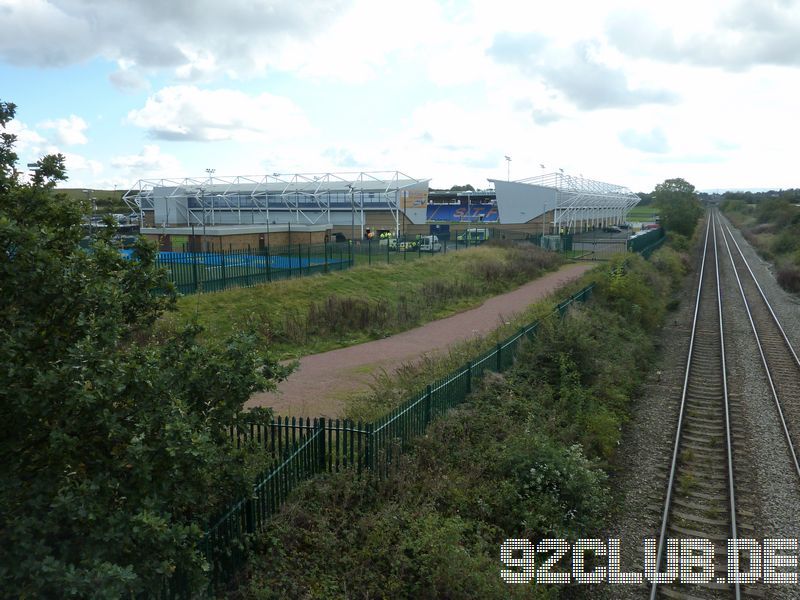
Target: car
<point>612,229</point>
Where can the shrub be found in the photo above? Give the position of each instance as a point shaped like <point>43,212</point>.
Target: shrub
<point>113,443</point>
<point>787,241</point>
<point>789,278</point>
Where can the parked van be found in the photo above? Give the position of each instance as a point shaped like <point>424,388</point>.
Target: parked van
<point>430,243</point>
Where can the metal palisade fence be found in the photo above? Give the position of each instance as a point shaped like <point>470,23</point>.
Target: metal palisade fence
<point>302,448</point>
<point>194,272</point>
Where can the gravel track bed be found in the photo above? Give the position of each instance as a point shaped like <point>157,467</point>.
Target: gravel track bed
<point>770,485</point>
<point>769,488</point>
<point>768,493</point>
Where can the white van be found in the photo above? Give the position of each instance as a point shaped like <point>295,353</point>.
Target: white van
<point>430,243</point>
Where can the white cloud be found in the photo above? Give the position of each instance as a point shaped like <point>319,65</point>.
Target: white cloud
<point>188,113</point>
<point>82,168</point>
<point>150,162</point>
<point>69,131</point>
<point>29,141</point>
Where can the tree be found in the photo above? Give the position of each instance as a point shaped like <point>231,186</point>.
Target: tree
<point>678,206</point>
<point>113,452</point>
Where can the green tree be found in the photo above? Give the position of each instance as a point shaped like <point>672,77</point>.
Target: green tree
<point>113,452</point>
<point>678,206</point>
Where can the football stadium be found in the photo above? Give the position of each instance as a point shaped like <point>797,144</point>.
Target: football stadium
<point>244,212</point>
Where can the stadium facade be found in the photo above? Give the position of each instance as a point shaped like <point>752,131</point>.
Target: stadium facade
<point>253,212</point>
<point>240,212</point>
<point>563,203</point>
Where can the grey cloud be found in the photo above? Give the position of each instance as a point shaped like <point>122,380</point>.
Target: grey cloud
<point>587,83</point>
<point>749,34</point>
<point>128,81</point>
<point>151,33</point>
<point>591,85</point>
<point>653,141</point>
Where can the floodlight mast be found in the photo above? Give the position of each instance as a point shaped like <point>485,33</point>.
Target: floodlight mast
<point>352,214</point>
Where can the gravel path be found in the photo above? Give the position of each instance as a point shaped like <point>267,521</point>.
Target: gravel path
<point>322,381</point>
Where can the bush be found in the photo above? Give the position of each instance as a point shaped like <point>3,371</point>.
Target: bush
<point>113,442</point>
<point>789,278</point>
<point>787,241</point>
<point>774,210</point>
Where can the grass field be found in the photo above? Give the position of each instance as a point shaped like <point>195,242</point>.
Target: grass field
<point>375,300</point>
<point>643,213</point>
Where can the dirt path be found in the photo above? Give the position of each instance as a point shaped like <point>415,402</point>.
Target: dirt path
<point>317,387</point>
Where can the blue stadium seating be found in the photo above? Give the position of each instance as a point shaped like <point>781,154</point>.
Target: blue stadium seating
<point>485,213</point>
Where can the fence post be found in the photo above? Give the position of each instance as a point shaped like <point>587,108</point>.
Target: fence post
<point>222,259</point>
<point>194,270</point>
<point>368,446</point>
<point>299,260</point>
<point>269,264</point>
<point>321,458</point>
<point>499,357</point>
<point>249,516</point>
<point>326,256</point>
<point>369,251</point>
<point>429,394</point>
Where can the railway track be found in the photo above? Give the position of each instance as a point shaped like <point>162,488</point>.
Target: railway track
<point>700,499</point>
<point>778,357</point>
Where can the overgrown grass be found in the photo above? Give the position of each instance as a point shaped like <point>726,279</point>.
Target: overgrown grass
<point>525,457</point>
<point>772,227</point>
<point>319,313</point>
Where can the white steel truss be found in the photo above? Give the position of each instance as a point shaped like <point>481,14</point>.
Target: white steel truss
<point>307,198</point>
<point>585,201</point>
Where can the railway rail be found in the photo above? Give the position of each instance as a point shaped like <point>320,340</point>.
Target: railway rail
<point>700,499</point>
<point>778,356</point>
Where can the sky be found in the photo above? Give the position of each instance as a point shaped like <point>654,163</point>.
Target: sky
<point>622,91</point>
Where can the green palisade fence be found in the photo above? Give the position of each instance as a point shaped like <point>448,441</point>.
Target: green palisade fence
<point>194,272</point>
<point>302,448</point>
<point>220,269</point>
